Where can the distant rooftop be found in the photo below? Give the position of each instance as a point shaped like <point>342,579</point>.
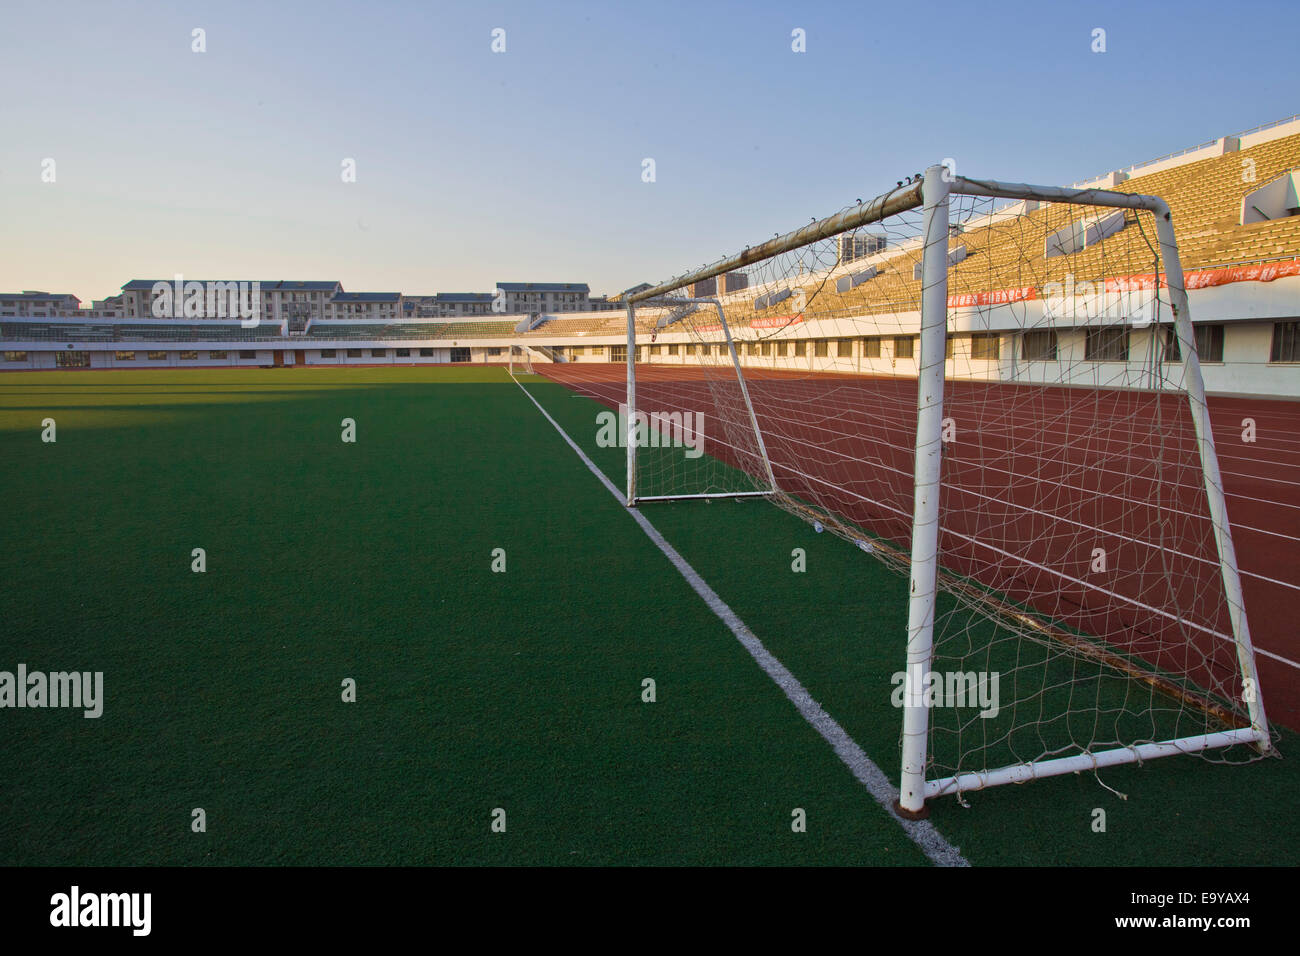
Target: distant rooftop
<point>272,285</point>
<point>544,286</point>
<point>464,296</point>
<point>30,295</point>
<point>367,296</point>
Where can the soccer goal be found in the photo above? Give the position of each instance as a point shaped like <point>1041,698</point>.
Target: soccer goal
<point>994,389</point>
<point>521,360</point>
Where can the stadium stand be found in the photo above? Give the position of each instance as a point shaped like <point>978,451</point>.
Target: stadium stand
<point>997,250</point>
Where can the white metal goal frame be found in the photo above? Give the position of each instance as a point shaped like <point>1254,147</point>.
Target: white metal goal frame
<point>521,360</point>
<point>931,194</point>
<point>681,307</point>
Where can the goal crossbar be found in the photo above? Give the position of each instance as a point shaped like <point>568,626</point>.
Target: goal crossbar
<point>883,206</point>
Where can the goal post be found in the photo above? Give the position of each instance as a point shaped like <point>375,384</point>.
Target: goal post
<point>924,572</point>
<point>992,388</point>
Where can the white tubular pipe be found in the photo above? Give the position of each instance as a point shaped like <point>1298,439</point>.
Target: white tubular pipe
<point>631,404</point>
<point>929,457</point>
<point>713,494</point>
<point>744,391</point>
<point>1081,197</point>
<point>1023,773</point>
<point>882,207</point>
<point>1195,386</point>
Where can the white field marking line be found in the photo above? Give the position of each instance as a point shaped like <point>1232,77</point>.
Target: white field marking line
<point>1278,657</point>
<point>1006,554</point>
<point>921,832</point>
<point>882,465</point>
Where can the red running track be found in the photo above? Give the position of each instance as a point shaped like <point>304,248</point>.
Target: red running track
<point>1055,473</point>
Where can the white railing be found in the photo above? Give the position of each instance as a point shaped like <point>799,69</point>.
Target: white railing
<point>1129,170</point>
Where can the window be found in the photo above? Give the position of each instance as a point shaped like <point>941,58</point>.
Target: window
<point>779,349</point>
<point>672,349</point>
<point>822,348</point>
<point>328,353</point>
<point>189,356</point>
<point>766,348</point>
<point>247,354</point>
<point>1173,351</point>
<point>618,353</point>
<point>157,356</point>
<point>1209,343</point>
<point>379,353</point>
<point>496,351</point>
<point>800,348</point>
<point>1286,342</point>
<point>460,355</point>
<point>355,353</point>
<point>217,356</point>
<point>904,346</point>
<point>599,350</point>
<point>984,346</point>
<point>426,353</point>
<point>950,346</point>
<point>72,359</point>
<point>124,356</point>
<point>1038,346</point>
<point>20,356</point>
<point>844,348</point>
<point>690,348</point>
<point>406,353</point>
<point>871,347</point>
<point>1107,345</point>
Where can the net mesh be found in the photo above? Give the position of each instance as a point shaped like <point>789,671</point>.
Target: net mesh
<point>1081,606</point>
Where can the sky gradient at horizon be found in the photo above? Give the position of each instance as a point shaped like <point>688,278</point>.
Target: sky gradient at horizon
<point>475,167</point>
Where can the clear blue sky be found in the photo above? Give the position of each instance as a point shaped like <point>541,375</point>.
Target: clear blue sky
<point>474,167</point>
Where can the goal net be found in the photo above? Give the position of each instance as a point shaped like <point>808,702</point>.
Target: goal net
<point>993,389</point>
<point>521,360</point>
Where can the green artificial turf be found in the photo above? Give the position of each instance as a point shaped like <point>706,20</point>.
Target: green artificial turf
<point>840,627</point>
<point>372,561</point>
<point>475,690</point>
